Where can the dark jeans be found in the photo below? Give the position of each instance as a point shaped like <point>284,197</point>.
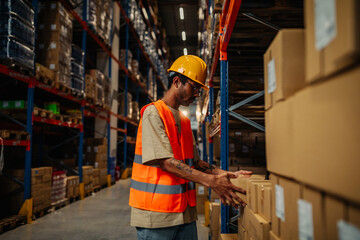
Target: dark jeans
<point>186,231</point>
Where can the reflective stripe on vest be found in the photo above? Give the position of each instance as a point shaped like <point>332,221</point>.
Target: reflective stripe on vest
<point>157,190</point>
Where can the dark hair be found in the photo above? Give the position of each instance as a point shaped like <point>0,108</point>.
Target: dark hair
<point>172,75</point>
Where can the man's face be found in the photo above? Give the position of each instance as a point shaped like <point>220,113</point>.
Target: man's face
<point>188,92</point>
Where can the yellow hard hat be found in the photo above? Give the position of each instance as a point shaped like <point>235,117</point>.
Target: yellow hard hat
<point>192,67</point>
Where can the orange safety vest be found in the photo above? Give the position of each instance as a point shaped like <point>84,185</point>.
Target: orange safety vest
<point>154,189</point>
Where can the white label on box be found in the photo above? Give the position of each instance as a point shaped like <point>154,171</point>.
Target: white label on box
<point>96,149</point>
<point>53,5</point>
<point>89,149</point>
<point>348,231</point>
<point>53,27</point>
<point>5,104</point>
<point>52,45</point>
<point>271,76</point>
<point>41,26</point>
<point>306,226</point>
<point>201,190</point>
<point>231,147</point>
<point>52,66</point>
<point>245,149</point>
<point>325,22</point>
<point>280,202</point>
<point>17,104</point>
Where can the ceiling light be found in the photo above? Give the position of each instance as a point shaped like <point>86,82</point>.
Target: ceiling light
<point>185,51</point>
<point>145,13</point>
<point>201,14</point>
<point>183,34</point>
<point>181,13</point>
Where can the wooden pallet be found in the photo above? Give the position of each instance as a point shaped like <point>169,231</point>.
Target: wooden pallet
<point>40,213</point>
<point>74,199</point>
<point>11,222</point>
<point>58,117</point>
<point>59,204</point>
<point>45,75</point>
<point>16,66</point>
<point>63,88</point>
<point>96,188</point>
<point>14,135</point>
<point>43,113</point>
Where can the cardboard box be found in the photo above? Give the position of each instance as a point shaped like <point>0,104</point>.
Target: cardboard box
<point>252,193</point>
<point>327,135</point>
<point>289,227</point>
<point>201,191</point>
<point>242,232</point>
<point>314,198</point>
<point>264,201</point>
<point>341,47</point>
<point>243,182</point>
<point>354,215</point>
<point>215,234</point>
<point>200,204</point>
<point>334,210</point>
<point>279,124</point>
<point>228,236</point>
<point>257,227</point>
<point>215,211</point>
<point>284,66</point>
<point>273,236</point>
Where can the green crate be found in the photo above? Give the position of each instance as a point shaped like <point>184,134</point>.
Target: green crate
<point>19,104</point>
<point>6,104</point>
<point>53,107</point>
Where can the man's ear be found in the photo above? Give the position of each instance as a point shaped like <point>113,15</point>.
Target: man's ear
<point>176,81</point>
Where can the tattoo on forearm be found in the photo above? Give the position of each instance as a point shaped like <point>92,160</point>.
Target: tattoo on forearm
<point>205,167</point>
<point>181,166</point>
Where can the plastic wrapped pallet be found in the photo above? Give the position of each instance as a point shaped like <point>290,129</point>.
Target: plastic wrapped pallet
<point>13,50</point>
<point>12,25</point>
<point>90,87</point>
<point>107,92</point>
<point>58,188</point>
<point>18,7</point>
<point>90,14</point>
<point>54,40</point>
<point>135,111</point>
<point>121,100</point>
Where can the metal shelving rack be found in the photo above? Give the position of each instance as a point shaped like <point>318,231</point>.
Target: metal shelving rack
<point>32,83</point>
<point>227,21</point>
<point>130,28</point>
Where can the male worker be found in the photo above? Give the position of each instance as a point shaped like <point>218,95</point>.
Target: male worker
<point>166,164</point>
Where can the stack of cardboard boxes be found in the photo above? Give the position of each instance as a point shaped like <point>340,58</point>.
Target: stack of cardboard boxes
<point>96,177</point>
<point>202,195</point>
<point>72,187</point>
<point>312,133</point>
<point>54,40</point>
<point>99,86</point>
<point>215,225</point>
<point>88,178</point>
<point>96,156</point>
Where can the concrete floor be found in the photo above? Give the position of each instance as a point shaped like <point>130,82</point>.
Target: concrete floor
<point>103,216</point>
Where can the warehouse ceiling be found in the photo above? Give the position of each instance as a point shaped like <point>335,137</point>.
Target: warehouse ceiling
<point>169,16</point>
<point>256,26</point>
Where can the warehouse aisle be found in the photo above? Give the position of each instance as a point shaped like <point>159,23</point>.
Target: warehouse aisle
<point>103,216</point>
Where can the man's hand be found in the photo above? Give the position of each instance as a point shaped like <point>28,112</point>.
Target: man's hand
<point>243,172</point>
<point>226,190</point>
